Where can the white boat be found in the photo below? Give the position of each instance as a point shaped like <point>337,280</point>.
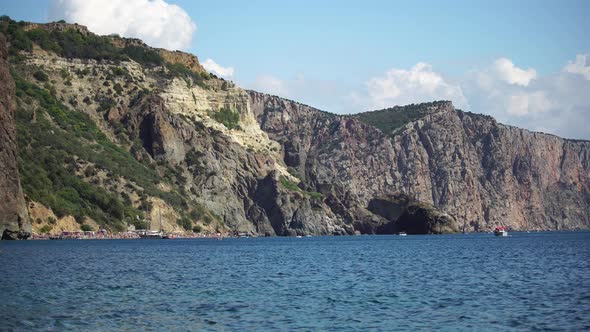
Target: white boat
<point>151,235</point>
<point>402,234</point>
<point>500,231</point>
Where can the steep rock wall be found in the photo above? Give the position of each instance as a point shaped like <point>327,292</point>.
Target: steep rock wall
<point>482,172</point>
<point>14,219</point>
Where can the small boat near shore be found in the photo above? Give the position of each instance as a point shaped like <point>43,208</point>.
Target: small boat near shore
<point>500,231</point>
<point>151,235</point>
<point>402,234</point>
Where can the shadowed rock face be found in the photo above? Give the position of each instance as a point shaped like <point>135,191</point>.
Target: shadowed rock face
<point>469,166</point>
<point>14,219</point>
<point>404,214</point>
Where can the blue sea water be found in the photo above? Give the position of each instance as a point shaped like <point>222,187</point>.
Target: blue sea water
<point>478,282</point>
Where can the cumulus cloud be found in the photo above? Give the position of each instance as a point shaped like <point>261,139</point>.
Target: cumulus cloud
<point>156,22</point>
<point>508,72</point>
<point>579,66</point>
<point>418,84</point>
<point>556,103</point>
<point>215,68</point>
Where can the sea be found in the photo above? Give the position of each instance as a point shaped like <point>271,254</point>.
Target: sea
<point>463,282</point>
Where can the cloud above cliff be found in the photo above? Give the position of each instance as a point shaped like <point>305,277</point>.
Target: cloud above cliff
<point>156,22</point>
<point>217,69</point>
<point>406,86</point>
<point>521,104</point>
<point>556,103</point>
<point>508,72</point>
<point>581,65</point>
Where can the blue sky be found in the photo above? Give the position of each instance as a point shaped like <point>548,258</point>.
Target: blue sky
<point>351,56</point>
<point>348,39</point>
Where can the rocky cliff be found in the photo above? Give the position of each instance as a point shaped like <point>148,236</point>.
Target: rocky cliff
<point>115,134</point>
<point>144,132</point>
<point>14,219</point>
<point>482,172</point>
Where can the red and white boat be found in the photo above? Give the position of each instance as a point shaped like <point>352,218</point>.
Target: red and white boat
<point>500,231</point>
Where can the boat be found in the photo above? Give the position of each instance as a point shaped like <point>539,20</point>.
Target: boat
<point>500,231</point>
<point>149,234</point>
<point>402,234</point>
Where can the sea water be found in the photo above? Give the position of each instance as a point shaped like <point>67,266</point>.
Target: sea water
<point>536,281</point>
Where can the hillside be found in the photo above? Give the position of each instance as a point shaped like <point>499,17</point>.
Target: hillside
<point>110,128</point>
<point>113,133</point>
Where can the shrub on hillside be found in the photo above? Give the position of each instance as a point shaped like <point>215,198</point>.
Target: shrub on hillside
<point>228,118</point>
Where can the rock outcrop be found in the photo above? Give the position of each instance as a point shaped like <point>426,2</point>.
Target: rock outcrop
<point>479,171</point>
<point>14,219</point>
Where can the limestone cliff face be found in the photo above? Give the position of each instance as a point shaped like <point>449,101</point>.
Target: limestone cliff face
<point>14,219</point>
<point>481,172</point>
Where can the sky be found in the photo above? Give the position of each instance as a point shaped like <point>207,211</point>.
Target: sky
<point>527,63</point>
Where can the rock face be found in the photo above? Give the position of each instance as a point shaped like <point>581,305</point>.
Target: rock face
<point>481,172</point>
<point>489,174</point>
<point>14,219</point>
<point>242,187</point>
<point>404,214</point>
<point>283,168</point>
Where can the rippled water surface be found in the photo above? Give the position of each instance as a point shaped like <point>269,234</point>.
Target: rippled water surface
<point>537,281</point>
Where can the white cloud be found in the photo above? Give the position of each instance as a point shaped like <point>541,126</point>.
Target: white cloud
<point>418,84</point>
<point>580,66</point>
<point>156,22</point>
<point>508,72</point>
<point>556,103</point>
<point>526,103</point>
<point>215,68</point>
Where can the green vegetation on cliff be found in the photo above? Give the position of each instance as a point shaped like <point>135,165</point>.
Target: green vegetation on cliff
<point>389,120</point>
<point>48,160</point>
<point>292,186</point>
<point>227,117</point>
<point>55,141</point>
<point>71,43</point>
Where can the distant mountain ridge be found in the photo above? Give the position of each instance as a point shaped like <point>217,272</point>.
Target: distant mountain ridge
<point>112,132</point>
